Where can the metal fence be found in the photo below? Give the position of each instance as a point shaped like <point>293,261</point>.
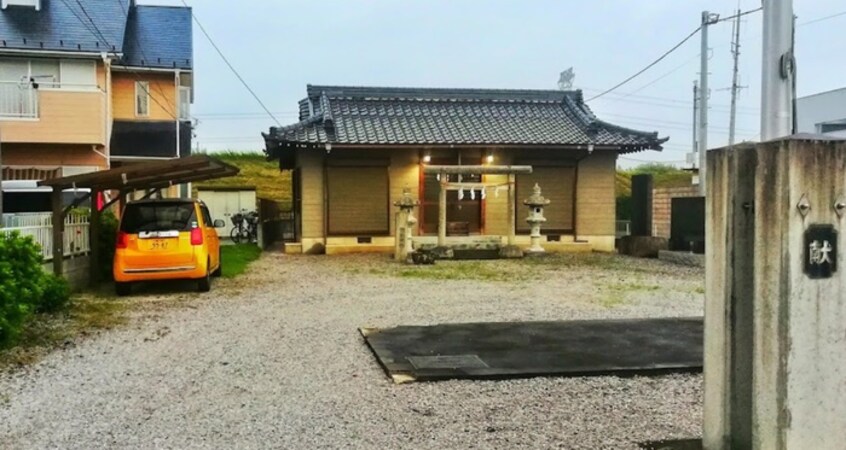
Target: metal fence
<point>27,219</point>
<point>76,238</point>
<point>18,100</point>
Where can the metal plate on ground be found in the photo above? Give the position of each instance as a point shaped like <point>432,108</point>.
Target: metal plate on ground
<point>528,349</point>
<point>446,362</point>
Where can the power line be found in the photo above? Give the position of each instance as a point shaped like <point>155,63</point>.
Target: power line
<point>739,14</point>
<point>144,55</point>
<point>624,96</point>
<point>820,19</point>
<point>662,77</point>
<point>231,67</point>
<point>239,114</point>
<point>660,58</point>
<point>667,122</point>
<point>100,37</point>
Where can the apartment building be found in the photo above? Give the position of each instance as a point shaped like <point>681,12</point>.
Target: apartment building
<point>89,85</point>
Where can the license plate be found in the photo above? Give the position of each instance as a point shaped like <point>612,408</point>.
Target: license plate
<point>158,244</point>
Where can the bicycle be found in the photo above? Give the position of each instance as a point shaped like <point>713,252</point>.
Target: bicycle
<point>245,227</point>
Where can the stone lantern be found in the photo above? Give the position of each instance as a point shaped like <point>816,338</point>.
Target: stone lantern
<point>405,222</point>
<point>536,203</point>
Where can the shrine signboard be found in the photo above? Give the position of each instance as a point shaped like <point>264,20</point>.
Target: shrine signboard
<point>820,251</point>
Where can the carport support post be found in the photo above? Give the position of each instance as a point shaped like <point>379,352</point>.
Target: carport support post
<point>94,239</point>
<point>775,309</point>
<point>58,230</point>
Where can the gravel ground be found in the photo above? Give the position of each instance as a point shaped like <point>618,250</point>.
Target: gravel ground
<point>274,359</point>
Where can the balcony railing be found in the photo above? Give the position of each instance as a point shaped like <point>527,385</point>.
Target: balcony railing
<point>18,100</point>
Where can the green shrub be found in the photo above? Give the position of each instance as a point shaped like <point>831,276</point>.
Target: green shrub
<point>55,295</point>
<point>624,207</point>
<point>108,234</point>
<point>21,283</point>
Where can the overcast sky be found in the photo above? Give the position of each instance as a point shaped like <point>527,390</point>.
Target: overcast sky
<point>280,46</point>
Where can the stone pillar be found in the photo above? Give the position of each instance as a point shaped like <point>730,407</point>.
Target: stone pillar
<point>405,222</point>
<point>642,205</point>
<point>511,250</point>
<point>775,312</point>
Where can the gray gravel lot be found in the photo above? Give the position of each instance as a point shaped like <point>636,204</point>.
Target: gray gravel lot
<point>273,359</point>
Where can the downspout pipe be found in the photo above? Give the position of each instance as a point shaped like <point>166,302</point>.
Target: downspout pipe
<point>107,119</point>
<point>176,83</point>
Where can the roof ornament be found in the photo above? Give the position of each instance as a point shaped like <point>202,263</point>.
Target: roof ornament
<point>565,80</point>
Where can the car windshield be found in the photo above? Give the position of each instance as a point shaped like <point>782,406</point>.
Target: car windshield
<point>158,217</point>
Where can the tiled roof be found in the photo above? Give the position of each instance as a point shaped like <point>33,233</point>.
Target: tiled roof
<point>148,36</point>
<point>399,116</point>
<point>62,25</point>
<point>159,36</point>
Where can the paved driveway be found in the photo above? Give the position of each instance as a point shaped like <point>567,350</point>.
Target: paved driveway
<point>273,359</point>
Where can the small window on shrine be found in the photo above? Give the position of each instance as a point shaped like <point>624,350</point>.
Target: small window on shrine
<point>364,240</point>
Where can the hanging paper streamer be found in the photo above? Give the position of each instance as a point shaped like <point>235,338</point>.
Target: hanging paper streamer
<point>461,194</point>
<point>484,194</point>
<point>472,194</point>
<point>496,192</point>
<point>438,176</point>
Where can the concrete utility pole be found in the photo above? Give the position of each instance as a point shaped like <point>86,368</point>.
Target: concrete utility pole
<point>695,146</point>
<point>735,51</point>
<point>778,70</point>
<point>708,19</point>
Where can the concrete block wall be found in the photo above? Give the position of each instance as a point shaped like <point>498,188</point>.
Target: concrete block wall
<point>75,270</point>
<point>662,207</point>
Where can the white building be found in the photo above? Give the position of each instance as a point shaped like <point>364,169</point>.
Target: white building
<point>823,113</point>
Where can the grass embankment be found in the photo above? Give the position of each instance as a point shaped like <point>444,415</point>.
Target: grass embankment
<point>256,171</point>
<point>98,310</point>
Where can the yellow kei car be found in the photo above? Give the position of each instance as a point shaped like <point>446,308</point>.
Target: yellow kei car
<point>166,239</point>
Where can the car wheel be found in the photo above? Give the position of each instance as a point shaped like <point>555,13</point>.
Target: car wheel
<point>219,271</point>
<point>123,289</point>
<point>204,284</point>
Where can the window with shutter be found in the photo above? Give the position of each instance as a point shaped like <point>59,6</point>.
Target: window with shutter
<point>358,201</point>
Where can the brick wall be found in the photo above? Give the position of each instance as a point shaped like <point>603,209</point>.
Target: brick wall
<point>661,207</point>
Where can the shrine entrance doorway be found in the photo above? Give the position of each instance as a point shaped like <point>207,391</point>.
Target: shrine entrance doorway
<point>464,208</point>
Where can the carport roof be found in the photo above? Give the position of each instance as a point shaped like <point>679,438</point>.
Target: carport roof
<point>150,175</point>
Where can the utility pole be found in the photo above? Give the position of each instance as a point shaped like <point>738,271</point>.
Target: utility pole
<point>708,19</point>
<point>695,152</point>
<point>778,70</point>
<point>735,51</point>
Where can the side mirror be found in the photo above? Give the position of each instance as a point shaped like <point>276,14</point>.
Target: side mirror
<point>219,223</point>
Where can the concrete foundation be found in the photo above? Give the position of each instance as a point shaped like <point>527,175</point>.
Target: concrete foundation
<point>682,258</point>
<point>642,246</point>
<point>75,271</point>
